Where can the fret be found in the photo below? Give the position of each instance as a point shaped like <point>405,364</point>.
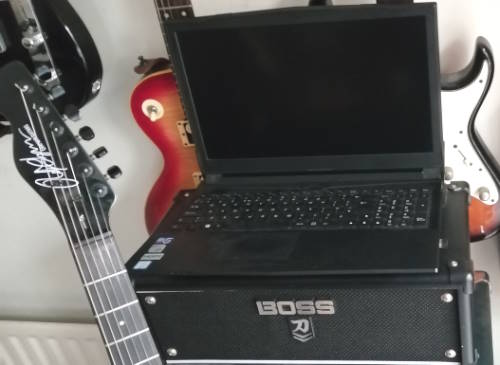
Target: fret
<point>99,258</point>
<point>174,7</point>
<point>122,322</point>
<point>177,3</point>
<point>182,12</point>
<point>115,304</point>
<point>117,308</point>
<point>127,323</point>
<point>134,358</point>
<point>105,278</point>
<point>111,293</point>
<point>147,360</point>
<point>140,341</point>
<point>123,339</point>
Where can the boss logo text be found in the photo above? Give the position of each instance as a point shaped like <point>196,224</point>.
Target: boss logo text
<point>292,308</point>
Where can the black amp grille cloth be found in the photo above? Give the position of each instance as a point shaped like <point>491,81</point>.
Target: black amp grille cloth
<point>398,324</point>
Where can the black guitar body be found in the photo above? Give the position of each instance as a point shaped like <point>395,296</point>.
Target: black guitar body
<point>10,41</point>
<point>73,51</point>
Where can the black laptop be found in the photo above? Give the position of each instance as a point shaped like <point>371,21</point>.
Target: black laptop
<point>318,131</point>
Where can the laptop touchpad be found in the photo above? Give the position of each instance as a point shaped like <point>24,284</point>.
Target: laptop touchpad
<point>275,246</point>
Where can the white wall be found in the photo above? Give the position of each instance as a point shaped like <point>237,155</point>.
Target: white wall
<point>37,275</point>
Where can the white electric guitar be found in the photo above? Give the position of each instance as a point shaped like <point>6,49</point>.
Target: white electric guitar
<point>466,156</point>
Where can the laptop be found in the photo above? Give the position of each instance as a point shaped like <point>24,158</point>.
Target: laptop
<point>318,132</point>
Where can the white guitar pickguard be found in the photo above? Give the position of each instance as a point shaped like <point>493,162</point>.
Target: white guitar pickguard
<point>461,159</point>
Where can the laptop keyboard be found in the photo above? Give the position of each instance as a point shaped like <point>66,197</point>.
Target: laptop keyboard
<point>330,208</point>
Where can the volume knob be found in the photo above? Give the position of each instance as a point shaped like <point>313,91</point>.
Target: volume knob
<point>152,109</point>
<point>483,193</point>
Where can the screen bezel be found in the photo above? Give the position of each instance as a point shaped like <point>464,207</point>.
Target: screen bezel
<point>339,163</point>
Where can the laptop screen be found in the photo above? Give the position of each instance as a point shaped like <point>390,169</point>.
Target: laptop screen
<point>310,89</point>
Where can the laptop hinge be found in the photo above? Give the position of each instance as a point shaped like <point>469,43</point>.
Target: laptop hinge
<point>212,178</point>
<point>432,173</point>
<point>415,175</point>
<point>392,2</point>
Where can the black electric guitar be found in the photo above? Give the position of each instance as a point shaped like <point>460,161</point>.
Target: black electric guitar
<point>56,166</point>
<point>51,40</point>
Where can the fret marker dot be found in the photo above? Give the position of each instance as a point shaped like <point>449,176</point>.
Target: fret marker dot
<point>121,323</point>
<point>183,13</point>
<point>166,15</point>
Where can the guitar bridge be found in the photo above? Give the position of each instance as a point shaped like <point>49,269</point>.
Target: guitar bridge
<point>185,133</point>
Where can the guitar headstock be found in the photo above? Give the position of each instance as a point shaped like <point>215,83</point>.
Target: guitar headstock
<point>50,158</point>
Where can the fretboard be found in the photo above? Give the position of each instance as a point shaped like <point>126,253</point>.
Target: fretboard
<point>126,335</point>
<point>173,9</point>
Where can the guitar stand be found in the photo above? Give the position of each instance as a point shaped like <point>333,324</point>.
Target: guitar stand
<point>482,319</point>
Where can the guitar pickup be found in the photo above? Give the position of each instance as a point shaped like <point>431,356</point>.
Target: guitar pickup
<point>185,133</point>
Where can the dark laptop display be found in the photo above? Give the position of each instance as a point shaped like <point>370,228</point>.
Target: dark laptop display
<point>314,89</point>
<point>318,131</point>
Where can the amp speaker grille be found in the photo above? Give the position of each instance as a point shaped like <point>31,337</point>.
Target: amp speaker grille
<point>393,324</point>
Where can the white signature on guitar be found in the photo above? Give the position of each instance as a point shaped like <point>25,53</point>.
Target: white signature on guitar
<point>42,160</point>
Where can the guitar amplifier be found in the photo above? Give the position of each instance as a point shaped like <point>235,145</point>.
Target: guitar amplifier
<point>383,319</point>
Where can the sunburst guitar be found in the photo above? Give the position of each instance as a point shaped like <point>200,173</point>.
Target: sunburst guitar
<point>158,111</point>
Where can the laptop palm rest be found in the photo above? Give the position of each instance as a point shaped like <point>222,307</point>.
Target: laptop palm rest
<point>306,253</point>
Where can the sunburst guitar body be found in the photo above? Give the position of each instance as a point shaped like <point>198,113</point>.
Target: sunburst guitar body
<point>157,109</point>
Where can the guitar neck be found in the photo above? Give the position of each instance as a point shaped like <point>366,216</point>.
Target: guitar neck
<point>126,335</point>
<point>57,167</point>
<point>173,9</point>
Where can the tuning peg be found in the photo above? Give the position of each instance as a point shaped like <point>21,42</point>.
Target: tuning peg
<point>72,112</point>
<point>99,152</point>
<point>114,172</point>
<point>86,133</point>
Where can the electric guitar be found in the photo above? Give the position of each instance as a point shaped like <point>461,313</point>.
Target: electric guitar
<point>157,109</point>
<point>467,158</point>
<point>49,37</point>
<point>56,166</point>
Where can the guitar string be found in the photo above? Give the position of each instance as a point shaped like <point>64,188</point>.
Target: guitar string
<point>158,6</point>
<point>111,238</point>
<point>114,269</point>
<point>116,253</point>
<point>93,256</point>
<point>80,244</point>
<point>22,90</point>
<point>65,224</point>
